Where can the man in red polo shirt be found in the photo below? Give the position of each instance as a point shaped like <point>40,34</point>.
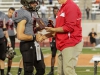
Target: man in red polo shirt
<point>68,34</point>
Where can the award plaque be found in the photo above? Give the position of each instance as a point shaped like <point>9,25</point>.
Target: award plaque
<point>50,23</point>
<point>41,23</point>
<point>43,32</point>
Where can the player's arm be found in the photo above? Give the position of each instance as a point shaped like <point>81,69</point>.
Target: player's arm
<point>6,34</point>
<point>20,22</point>
<point>20,32</point>
<point>50,29</point>
<point>25,37</point>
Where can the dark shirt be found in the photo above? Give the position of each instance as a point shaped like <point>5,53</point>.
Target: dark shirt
<point>92,35</point>
<point>87,10</point>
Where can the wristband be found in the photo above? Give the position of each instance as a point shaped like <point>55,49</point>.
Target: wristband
<point>34,37</point>
<point>8,39</point>
<point>4,29</point>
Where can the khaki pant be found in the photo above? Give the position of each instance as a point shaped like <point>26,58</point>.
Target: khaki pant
<point>68,58</point>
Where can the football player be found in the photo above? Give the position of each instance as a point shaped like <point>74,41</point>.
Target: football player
<point>3,32</point>
<point>10,27</point>
<point>24,26</point>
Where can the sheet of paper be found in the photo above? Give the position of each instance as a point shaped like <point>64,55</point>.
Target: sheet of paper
<point>43,32</point>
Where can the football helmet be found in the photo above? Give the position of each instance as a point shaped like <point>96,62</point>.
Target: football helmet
<point>10,53</point>
<point>27,3</point>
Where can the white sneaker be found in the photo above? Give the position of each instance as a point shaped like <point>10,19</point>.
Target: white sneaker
<point>9,73</point>
<point>18,74</point>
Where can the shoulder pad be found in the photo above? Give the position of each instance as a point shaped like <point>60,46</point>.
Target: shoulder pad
<point>2,15</point>
<point>19,15</point>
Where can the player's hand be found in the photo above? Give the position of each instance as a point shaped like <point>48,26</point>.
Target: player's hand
<point>39,37</point>
<point>8,44</point>
<point>44,37</point>
<point>49,29</point>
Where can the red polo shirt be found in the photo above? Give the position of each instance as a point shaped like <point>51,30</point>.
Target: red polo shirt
<point>69,18</point>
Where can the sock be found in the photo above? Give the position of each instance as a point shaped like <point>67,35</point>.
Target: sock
<point>52,68</point>
<point>2,71</point>
<point>8,69</point>
<point>19,70</point>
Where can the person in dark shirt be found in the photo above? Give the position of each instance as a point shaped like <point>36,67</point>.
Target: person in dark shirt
<point>92,35</point>
<point>87,12</point>
<point>50,2</point>
<point>53,42</point>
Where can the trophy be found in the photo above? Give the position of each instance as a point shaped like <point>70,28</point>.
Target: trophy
<point>41,23</point>
<point>50,23</point>
<point>41,26</point>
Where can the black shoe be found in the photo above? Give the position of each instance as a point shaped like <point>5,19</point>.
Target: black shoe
<point>50,73</point>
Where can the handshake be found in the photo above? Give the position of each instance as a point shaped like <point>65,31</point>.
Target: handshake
<point>44,34</point>
<point>44,31</point>
<point>40,37</point>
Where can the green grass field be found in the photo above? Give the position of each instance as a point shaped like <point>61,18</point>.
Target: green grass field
<point>79,71</point>
<point>46,50</point>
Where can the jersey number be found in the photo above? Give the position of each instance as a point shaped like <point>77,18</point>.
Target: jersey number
<point>1,24</point>
<point>9,27</point>
<point>15,14</point>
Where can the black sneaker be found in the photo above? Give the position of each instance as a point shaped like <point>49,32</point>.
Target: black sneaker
<point>50,73</point>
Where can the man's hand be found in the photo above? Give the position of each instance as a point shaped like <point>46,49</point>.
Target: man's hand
<point>50,29</point>
<point>40,37</point>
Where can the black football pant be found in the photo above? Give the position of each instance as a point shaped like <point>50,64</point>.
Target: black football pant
<point>28,52</point>
<point>53,48</point>
<point>2,49</point>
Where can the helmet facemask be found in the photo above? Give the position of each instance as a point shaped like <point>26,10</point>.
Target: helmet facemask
<point>27,4</point>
